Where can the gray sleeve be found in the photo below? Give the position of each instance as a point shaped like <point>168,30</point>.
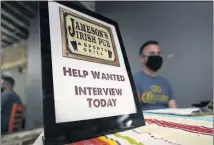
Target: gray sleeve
<point>171,95</point>
<point>4,99</point>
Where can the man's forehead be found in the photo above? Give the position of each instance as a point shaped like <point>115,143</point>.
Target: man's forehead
<point>152,48</point>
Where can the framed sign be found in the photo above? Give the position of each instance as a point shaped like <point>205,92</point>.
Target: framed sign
<point>87,82</point>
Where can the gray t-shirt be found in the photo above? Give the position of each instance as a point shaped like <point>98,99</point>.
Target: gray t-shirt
<point>7,101</point>
<point>154,92</point>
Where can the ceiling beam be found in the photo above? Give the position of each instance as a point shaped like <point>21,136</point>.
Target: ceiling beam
<point>15,10</point>
<point>12,30</point>
<point>15,19</point>
<point>17,26</point>
<point>11,33</point>
<point>22,42</point>
<point>7,25</point>
<point>16,5</point>
<point>28,8</point>
<point>14,14</point>
<point>34,5</point>
<point>7,42</point>
<point>6,36</point>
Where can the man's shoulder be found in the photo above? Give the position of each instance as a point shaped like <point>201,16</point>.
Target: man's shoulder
<point>5,97</point>
<point>164,80</point>
<point>7,94</point>
<point>10,95</point>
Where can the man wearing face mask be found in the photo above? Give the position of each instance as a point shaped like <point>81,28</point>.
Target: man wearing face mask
<point>154,91</point>
<point>8,98</point>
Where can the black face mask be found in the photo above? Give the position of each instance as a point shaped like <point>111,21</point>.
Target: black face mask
<point>154,62</point>
<point>2,89</point>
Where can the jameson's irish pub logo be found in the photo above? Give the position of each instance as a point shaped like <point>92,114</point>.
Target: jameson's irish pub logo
<point>87,40</point>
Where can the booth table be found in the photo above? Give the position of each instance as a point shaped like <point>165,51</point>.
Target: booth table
<point>162,129</point>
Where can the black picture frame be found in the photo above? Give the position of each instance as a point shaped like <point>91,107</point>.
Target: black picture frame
<point>63,133</point>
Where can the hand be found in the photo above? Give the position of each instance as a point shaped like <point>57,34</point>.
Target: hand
<point>172,104</point>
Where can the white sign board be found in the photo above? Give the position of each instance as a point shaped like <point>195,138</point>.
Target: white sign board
<point>89,74</point>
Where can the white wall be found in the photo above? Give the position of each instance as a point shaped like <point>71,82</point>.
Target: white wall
<point>184,29</point>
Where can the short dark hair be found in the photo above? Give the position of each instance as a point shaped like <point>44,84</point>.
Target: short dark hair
<point>9,80</point>
<point>146,44</point>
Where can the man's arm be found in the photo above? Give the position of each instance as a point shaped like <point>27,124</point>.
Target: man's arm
<point>172,103</point>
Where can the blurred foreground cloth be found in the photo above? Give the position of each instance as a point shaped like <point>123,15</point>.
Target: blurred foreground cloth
<point>160,129</point>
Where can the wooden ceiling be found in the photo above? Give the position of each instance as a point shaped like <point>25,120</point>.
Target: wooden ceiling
<point>15,21</point>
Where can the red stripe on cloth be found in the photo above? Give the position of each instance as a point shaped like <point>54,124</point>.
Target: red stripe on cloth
<point>189,128</point>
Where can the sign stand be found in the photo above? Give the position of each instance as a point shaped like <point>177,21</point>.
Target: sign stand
<point>87,82</point>
<point>51,142</point>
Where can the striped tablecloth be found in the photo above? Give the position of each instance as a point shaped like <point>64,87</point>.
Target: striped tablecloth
<point>162,130</point>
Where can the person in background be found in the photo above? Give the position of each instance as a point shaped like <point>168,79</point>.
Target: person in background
<point>8,98</point>
<point>154,91</point>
